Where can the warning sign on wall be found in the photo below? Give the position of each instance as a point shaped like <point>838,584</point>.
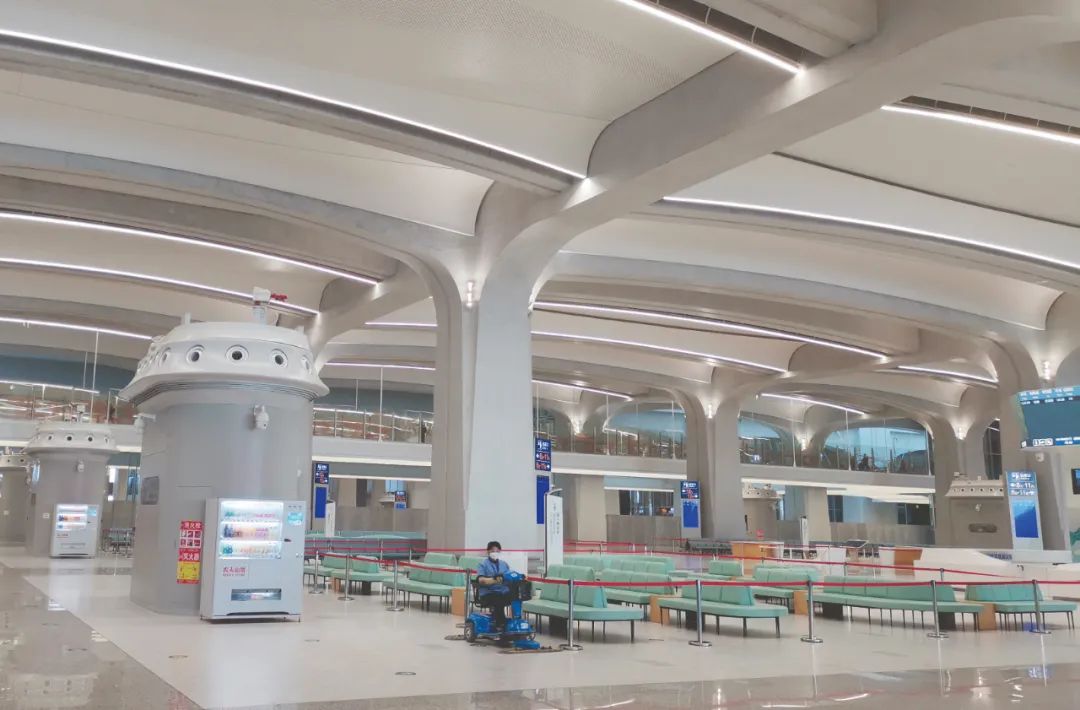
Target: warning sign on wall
<point>189,553</point>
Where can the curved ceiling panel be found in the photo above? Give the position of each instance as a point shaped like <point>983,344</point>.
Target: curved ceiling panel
<point>774,181</point>
<point>933,279</point>
<point>80,118</point>
<point>541,77</point>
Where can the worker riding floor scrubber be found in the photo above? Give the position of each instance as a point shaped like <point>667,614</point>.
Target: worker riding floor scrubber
<point>518,634</point>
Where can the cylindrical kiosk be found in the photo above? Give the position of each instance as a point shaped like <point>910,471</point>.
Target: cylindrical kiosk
<point>67,487</point>
<point>14,497</point>
<point>226,413</point>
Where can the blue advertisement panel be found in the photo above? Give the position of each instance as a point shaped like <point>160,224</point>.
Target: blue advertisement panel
<point>691,517</point>
<point>320,502</point>
<point>543,485</point>
<point>1023,490</point>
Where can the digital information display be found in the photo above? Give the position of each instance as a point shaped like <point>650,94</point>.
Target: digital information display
<point>543,454</point>
<point>1051,416</point>
<point>1023,490</point>
<point>322,473</point>
<point>691,490</point>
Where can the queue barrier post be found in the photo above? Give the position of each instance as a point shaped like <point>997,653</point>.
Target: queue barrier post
<point>348,579</point>
<point>1040,618</point>
<point>937,633</point>
<point>941,573</point>
<point>570,645</point>
<point>700,642</point>
<point>810,638</point>
<point>315,588</point>
<point>394,605</point>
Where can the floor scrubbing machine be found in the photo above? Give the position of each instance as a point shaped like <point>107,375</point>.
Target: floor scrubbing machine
<point>518,634</point>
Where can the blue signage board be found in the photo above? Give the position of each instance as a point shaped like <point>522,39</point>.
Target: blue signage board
<point>691,515</point>
<point>543,485</point>
<point>543,454</point>
<point>690,490</point>
<point>321,473</point>
<point>320,503</point>
<point>1023,491</point>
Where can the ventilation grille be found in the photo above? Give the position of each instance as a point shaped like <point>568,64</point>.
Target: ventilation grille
<point>989,114</point>
<point>751,34</point>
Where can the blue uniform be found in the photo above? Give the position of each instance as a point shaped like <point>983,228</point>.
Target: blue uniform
<point>487,568</point>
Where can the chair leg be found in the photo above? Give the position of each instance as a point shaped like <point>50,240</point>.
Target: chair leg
<point>594,631</point>
<point>631,631</point>
<point>603,631</point>
<point>777,620</point>
<point>744,627</point>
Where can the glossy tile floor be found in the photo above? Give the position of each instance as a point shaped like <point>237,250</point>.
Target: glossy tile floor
<point>71,639</point>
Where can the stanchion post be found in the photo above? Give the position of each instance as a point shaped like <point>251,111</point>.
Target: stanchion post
<point>937,633</point>
<point>1040,619</point>
<point>348,579</point>
<point>941,573</point>
<point>381,555</point>
<point>570,645</point>
<point>394,606</point>
<point>315,588</point>
<point>700,642</point>
<point>810,638</point>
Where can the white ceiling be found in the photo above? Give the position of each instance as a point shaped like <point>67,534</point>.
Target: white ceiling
<point>813,257</point>
<point>541,77</point>
<point>989,167</point>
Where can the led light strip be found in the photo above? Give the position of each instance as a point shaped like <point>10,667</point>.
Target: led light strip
<point>398,324</point>
<point>807,400</point>
<point>582,388</point>
<point>149,234</point>
<point>163,280</point>
<point>73,326</point>
<point>990,123</point>
<point>43,385</point>
<point>279,89</point>
<point>427,368</point>
<point>948,373</point>
<point>422,368</point>
<point>655,10</point>
<point>659,348</point>
<point>852,221</point>
<point>738,327</point>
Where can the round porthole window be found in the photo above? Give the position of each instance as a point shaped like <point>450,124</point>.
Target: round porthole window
<point>195,354</point>
<point>236,353</point>
<point>279,358</point>
<point>69,437</point>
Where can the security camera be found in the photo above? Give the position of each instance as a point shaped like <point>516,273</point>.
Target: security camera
<point>262,417</point>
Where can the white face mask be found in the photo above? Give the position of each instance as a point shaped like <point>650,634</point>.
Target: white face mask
<point>494,556</point>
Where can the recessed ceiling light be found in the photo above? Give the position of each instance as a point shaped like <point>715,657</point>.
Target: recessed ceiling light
<point>692,320</point>
<point>819,403</point>
<point>1004,126</point>
<point>737,44</point>
<point>286,91</point>
<point>162,280</point>
<point>149,234</point>
<point>74,326</point>
<point>940,236</point>
<point>948,373</point>
<point>659,348</point>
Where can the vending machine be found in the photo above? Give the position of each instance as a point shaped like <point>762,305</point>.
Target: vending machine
<point>74,530</point>
<point>254,564</point>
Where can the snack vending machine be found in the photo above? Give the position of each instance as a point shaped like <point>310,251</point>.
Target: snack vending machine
<point>254,563</point>
<point>75,530</point>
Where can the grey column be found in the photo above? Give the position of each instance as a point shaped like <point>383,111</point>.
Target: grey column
<point>70,466</point>
<point>14,497</point>
<point>226,412</point>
